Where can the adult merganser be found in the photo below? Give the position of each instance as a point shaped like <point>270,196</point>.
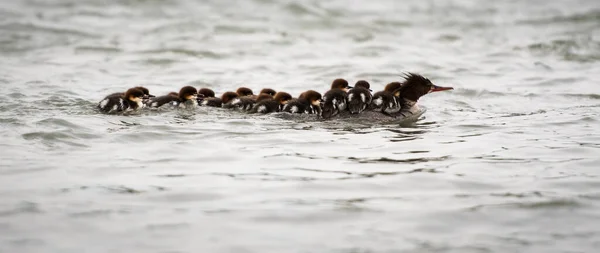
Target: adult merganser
<point>414,87</point>
<point>359,97</point>
<point>130,100</point>
<point>308,102</point>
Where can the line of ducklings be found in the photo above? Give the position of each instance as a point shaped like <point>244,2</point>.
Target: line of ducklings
<point>341,97</point>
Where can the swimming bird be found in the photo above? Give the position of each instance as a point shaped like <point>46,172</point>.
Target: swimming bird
<point>359,97</point>
<point>275,104</point>
<point>130,100</point>
<point>218,102</point>
<point>388,100</point>
<point>143,89</point>
<point>414,87</point>
<point>186,98</point>
<point>335,100</point>
<point>269,91</point>
<point>244,101</point>
<point>308,102</point>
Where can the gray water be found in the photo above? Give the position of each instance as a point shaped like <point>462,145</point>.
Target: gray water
<point>506,162</point>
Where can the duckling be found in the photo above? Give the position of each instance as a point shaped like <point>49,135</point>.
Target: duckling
<point>244,101</point>
<point>204,93</point>
<point>145,90</point>
<point>243,91</point>
<point>130,100</point>
<point>186,98</point>
<point>218,102</point>
<point>393,86</point>
<point>385,102</point>
<point>340,84</point>
<point>336,99</point>
<point>359,97</point>
<point>388,100</point>
<point>269,91</point>
<point>275,104</point>
<point>308,102</point>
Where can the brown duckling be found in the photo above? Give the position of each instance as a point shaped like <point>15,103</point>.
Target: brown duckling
<point>218,102</point>
<point>308,102</point>
<point>271,105</point>
<point>130,100</point>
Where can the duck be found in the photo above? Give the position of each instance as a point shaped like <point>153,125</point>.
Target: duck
<point>269,91</point>
<point>243,102</point>
<point>145,90</point>
<point>185,98</point>
<point>359,97</point>
<point>387,101</point>
<point>335,100</point>
<point>414,87</point>
<point>275,104</point>
<point>308,102</point>
<point>204,93</point>
<point>341,84</point>
<point>130,100</point>
<point>218,102</point>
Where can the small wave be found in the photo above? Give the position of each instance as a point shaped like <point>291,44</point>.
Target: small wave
<point>391,160</point>
<point>184,52</point>
<point>547,204</point>
<point>36,28</point>
<point>578,50</point>
<point>590,16</point>
<point>97,49</point>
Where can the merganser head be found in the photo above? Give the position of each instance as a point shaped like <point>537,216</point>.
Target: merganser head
<point>243,91</point>
<point>206,93</point>
<point>282,97</point>
<point>269,91</point>
<point>263,96</point>
<point>188,93</point>
<point>393,86</point>
<point>228,96</point>
<point>145,91</point>
<point>313,97</point>
<point>340,84</point>
<point>416,86</point>
<point>135,96</point>
<point>363,84</point>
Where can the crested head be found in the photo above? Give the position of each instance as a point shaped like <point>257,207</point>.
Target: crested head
<point>243,91</point>
<point>227,96</point>
<point>363,84</point>
<point>188,93</point>
<point>206,92</point>
<point>134,94</point>
<point>415,86</point>
<point>340,84</point>
<point>269,91</point>
<point>282,97</point>
<point>391,87</point>
<point>313,97</point>
<point>263,96</point>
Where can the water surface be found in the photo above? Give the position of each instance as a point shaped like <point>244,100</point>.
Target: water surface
<point>507,162</point>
